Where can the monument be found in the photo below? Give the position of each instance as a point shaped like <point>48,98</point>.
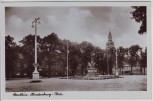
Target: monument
<point>91,70</point>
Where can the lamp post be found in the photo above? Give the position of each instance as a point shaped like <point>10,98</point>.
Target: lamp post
<point>35,76</point>
<point>67,61</point>
<point>116,59</point>
<point>107,61</point>
<point>116,69</point>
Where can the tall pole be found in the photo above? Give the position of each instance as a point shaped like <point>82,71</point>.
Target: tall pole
<point>116,69</point>
<point>67,61</point>
<point>35,40</point>
<point>107,62</point>
<point>35,77</point>
<point>116,58</point>
<point>34,24</point>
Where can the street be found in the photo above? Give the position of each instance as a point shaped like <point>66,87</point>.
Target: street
<point>125,83</point>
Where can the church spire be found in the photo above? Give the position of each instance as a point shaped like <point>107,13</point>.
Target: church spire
<point>110,42</point>
<point>109,36</point>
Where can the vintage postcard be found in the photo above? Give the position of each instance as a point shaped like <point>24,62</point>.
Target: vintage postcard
<point>80,50</point>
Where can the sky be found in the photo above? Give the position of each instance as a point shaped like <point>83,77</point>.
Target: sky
<point>77,24</point>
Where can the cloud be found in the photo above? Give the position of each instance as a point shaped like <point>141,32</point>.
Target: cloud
<point>76,24</point>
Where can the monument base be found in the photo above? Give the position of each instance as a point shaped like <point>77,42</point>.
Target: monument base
<point>35,74</point>
<point>92,73</point>
<point>35,78</point>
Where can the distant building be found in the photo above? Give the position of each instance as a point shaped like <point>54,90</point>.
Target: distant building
<point>136,70</point>
<point>109,51</point>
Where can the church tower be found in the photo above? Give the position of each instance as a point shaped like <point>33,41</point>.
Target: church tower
<point>109,51</point>
<point>110,43</point>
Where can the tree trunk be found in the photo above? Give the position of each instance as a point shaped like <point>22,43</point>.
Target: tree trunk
<point>110,69</point>
<point>120,71</point>
<point>141,70</point>
<point>49,69</point>
<point>144,71</point>
<point>82,70</point>
<point>131,70</point>
<point>8,72</point>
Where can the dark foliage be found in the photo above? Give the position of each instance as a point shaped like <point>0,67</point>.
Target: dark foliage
<point>52,56</point>
<point>139,14</point>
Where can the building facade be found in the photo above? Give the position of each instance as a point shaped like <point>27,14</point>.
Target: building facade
<point>110,50</point>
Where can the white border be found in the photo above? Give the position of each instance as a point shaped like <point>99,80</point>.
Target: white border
<point>69,0</point>
<point>82,95</point>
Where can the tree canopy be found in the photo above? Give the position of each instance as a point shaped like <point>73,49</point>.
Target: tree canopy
<point>139,14</point>
<point>52,51</point>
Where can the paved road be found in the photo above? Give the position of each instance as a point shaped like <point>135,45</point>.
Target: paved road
<point>127,83</point>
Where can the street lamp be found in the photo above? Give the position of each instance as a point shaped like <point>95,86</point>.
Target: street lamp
<point>116,69</point>
<point>108,56</point>
<point>67,61</point>
<point>35,75</point>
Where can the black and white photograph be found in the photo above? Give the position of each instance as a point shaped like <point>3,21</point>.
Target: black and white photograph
<point>76,49</point>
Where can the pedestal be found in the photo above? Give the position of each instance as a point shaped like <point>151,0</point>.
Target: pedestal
<point>92,72</point>
<point>35,75</point>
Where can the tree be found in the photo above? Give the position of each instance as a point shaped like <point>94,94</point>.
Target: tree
<point>139,14</point>
<point>19,62</point>
<point>28,45</point>
<point>63,54</point>
<point>143,60</point>
<point>86,49</point>
<point>10,56</point>
<point>49,45</point>
<point>121,57</point>
<point>133,56</point>
<point>100,60</point>
<point>74,58</point>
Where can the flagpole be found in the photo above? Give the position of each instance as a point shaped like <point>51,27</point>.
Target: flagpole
<point>116,69</point>
<point>67,62</point>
